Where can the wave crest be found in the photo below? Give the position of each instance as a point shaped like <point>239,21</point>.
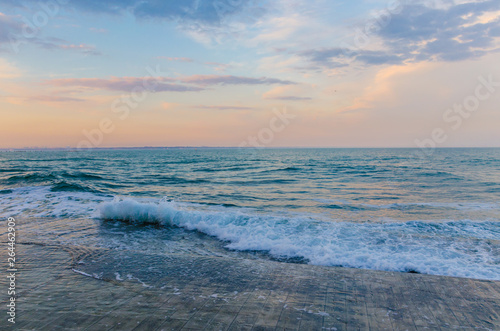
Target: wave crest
<point>454,248</point>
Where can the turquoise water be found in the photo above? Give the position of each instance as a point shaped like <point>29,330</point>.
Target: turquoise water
<point>385,209</point>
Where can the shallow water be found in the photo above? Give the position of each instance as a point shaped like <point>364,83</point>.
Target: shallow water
<point>384,209</point>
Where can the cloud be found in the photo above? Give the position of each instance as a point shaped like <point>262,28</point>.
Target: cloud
<point>336,57</point>
<point>224,107</point>
<point>125,84</point>
<point>417,33</point>
<point>13,34</point>
<point>280,28</point>
<point>83,48</point>
<point>290,98</point>
<point>387,81</point>
<point>287,93</point>
<point>233,80</point>
<point>205,21</point>
<point>206,12</point>
<point>324,55</point>
<point>162,84</point>
<point>50,99</point>
<point>378,57</point>
<point>9,28</point>
<point>219,66</point>
<point>445,34</point>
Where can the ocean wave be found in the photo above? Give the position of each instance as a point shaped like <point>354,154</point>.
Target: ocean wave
<point>227,168</point>
<point>82,176</point>
<point>263,181</point>
<point>31,177</point>
<point>43,201</point>
<point>38,177</point>
<point>284,169</point>
<point>63,186</point>
<point>463,248</point>
<point>466,206</point>
<point>453,248</point>
<point>12,170</point>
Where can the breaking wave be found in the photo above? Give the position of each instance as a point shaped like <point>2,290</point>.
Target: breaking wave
<point>454,248</point>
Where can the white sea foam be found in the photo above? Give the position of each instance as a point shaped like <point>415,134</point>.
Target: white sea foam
<point>96,276</point>
<point>40,201</point>
<point>454,248</point>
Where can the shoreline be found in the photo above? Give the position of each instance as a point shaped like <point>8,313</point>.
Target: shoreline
<point>78,288</point>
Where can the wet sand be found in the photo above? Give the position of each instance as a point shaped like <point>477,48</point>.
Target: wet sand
<point>71,288</point>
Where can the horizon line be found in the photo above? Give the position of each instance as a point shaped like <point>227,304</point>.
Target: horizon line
<point>231,147</point>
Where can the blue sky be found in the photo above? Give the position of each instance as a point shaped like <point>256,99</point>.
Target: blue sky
<point>351,73</point>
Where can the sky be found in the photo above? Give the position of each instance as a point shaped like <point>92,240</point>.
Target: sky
<point>281,73</point>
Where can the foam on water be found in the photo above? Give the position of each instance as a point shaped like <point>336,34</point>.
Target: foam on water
<point>454,248</point>
<point>41,201</point>
<point>463,248</point>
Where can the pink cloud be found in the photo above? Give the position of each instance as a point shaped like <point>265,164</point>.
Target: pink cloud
<point>162,84</point>
<point>233,80</point>
<point>128,84</point>
<point>50,98</point>
<point>224,107</point>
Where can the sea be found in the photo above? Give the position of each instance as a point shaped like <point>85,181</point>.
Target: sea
<point>405,210</point>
